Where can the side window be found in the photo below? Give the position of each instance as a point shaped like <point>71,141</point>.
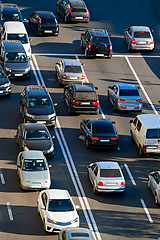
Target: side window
<point>130,31</point>
<point>115,89</point>
<point>88,124</point>
<point>21,159</point>
<point>135,121</point>
<point>67,5</point>
<point>139,124</point>
<point>44,199</point>
<point>87,35</point>
<point>156,177</point>
<point>96,171</point>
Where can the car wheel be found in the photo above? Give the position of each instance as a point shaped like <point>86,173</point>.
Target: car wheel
<point>109,56</point>
<point>115,108</point>
<point>109,100</point>
<point>64,100</point>
<point>59,82</point>
<point>65,19</point>
<point>94,189</point>
<point>156,199</point>
<point>38,211</point>
<point>141,152</point>
<point>87,144</point>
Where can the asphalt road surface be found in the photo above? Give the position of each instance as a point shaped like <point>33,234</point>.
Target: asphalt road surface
<point>115,217</point>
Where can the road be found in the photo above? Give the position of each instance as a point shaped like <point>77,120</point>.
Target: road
<point>114,217</point>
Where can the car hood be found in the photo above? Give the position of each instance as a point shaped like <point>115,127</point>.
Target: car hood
<point>18,66</point>
<point>42,145</point>
<point>40,111</point>
<point>63,216</point>
<point>36,176</point>
<point>3,81</point>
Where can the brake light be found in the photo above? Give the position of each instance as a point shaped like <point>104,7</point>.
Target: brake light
<point>89,47</point>
<point>64,76</point>
<point>114,138</point>
<point>83,77</point>
<point>95,138</point>
<point>87,11</point>
<point>96,103</point>
<point>139,100</point>
<point>56,21</point>
<point>133,41</point>
<point>141,31</point>
<point>121,99</point>
<point>40,33</point>
<point>122,183</point>
<point>152,42</point>
<point>39,20</point>
<point>100,183</point>
<point>70,11</point>
<point>75,102</point>
<point>110,47</point>
<point>144,148</point>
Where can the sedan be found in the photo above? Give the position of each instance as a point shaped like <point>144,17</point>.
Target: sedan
<point>99,133</point>
<point>154,185</point>
<point>57,210</point>
<point>5,85</point>
<point>33,171</point>
<point>106,177</point>
<point>139,38</point>
<point>68,71</point>
<point>75,234</point>
<point>35,137</point>
<point>125,97</point>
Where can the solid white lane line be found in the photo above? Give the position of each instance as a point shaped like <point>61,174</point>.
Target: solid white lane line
<point>146,211</point>
<point>38,70</point>
<point>9,212</point>
<point>2,177</point>
<point>140,84</point>
<point>130,174</point>
<point>34,71</point>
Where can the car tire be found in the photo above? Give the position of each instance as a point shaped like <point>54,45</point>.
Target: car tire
<point>87,143</point>
<point>64,98</point>
<point>94,189</point>
<point>109,100</point>
<point>109,56</point>
<point>114,108</point>
<point>38,211</point>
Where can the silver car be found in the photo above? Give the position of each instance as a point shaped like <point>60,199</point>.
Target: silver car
<point>125,97</point>
<point>106,177</point>
<point>68,71</point>
<point>154,185</point>
<point>33,171</point>
<point>139,38</point>
<point>75,234</point>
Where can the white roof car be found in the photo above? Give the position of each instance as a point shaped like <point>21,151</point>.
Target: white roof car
<point>150,120</point>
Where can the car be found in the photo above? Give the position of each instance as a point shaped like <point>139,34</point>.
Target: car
<point>99,133</point>
<point>139,38</point>
<point>73,10</point>
<point>34,136</point>
<point>68,71</point>
<point>81,98</point>
<point>57,210</point>
<point>75,234</point>
<point>44,23</point>
<point>14,60</point>
<point>106,177</point>
<point>125,97</point>
<point>96,42</point>
<point>5,85</point>
<point>154,185</point>
<point>36,106</point>
<point>33,171</point>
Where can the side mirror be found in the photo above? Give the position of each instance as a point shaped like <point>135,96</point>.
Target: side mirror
<point>30,39</point>
<point>55,104</point>
<point>96,88</point>
<point>113,122</point>
<point>50,166</point>
<point>24,19</point>
<point>18,166</point>
<point>109,87</point>
<point>121,166</point>
<point>131,121</point>
<point>152,30</point>
<point>53,137</point>
<point>125,29</point>
<point>77,206</point>
<point>43,207</point>
<point>109,35</point>
<point>58,63</point>
<point>83,64</point>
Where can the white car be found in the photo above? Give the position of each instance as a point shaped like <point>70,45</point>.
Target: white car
<point>154,185</point>
<point>57,210</point>
<point>106,177</point>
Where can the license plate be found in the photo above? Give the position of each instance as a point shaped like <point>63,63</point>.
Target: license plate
<point>130,108</point>
<point>48,31</point>
<point>99,54</point>
<point>104,140</point>
<point>78,17</point>
<point>85,103</point>
<point>42,122</point>
<point>18,75</point>
<point>73,77</point>
<point>141,42</point>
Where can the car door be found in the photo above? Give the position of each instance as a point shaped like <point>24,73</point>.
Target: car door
<point>128,36</point>
<point>62,8</point>
<point>61,69</point>
<point>154,183</point>
<point>35,21</point>
<point>113,95</point>
<point>95,175</point>
<point>19,164</point>
<point>70,93</point>
<point>87,129</point>
<point>43,205</point>
<point>91,170</point>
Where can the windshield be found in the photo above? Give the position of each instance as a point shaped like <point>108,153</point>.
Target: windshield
<point>142,34</point>
<point>102,127</point>
<point>5,17</point>
<point>34,165</point>
<point>15,57</point>
<point>21,37</point>
<point>86,96</point>
<point>153,133</point>
<point>60,205</point>
<point>37,135</point>
<point>73,69</point>
<point>39,103</point>
<point>110,173</point>
<point>128,92</point>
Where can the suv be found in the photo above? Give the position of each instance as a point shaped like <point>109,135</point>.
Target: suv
<point>81,98</point>
<point>96,42</point>
<point>36,106</point>
<point>73,10</point>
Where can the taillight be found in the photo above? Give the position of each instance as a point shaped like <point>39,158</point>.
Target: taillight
<point>144,148</point>
<point>121,99</point>
<point>70,11</point>
<point>139,100</point>
<point>95,103</point>
<point>64,76</point>
<point>89,47</point>
<point>110,47</point>
<point>100,183</point>
<point>95,138</point>
<point>151,42</point>
<point>75,102</point>
<point>39,20</point>
<point>40,33</point>
<point>87,11</point>
<point>133,41</point>
<point>114,138</point>
<point>56,21</point>
<point>82,77</point>
<point>122,183</point>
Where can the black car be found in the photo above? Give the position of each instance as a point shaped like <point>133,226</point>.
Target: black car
<point>73,10</point>
<point>36,106</point>
<point>99,133</point>
<point>96,42</point>
<point>43,22</point>
<point>81,98</point>
<point>35,137</point>
<point>5,85</point>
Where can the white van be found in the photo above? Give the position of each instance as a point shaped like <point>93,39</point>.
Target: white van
<point>16,31</point>
<point>145,131</point>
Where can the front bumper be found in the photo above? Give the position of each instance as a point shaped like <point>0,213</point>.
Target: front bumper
<point>35,186</point>
<point>48,123</point>
<point>5,91</point>
<point>50,227</point>
<point>18,75</point>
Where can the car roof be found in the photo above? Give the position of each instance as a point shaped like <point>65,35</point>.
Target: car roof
<point>79,233</point>
<point>15,27</point>
<point>45,13</point>
<point>35,126</point>
<point>78,3</point>
<point>127,86</point>
<point>13,46</point>
<point>99,32</point>
<point>35,90</point>
<point>57,194</point>
<point>71,62</point>
<point>32,154</point>
<point>9,7</point>
<point>84,87</point>
<point>108,165</point>
<point>101,121</point>
<point>150,120</point>
<point>140,28</point>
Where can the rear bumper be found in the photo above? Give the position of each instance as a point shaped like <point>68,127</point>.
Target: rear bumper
<point>97,144</point>
<point>109,190</point>
<point>130,107</point>
<point>48,31</point>
<point>142,47</point>
<point>83,109</point>
<point>19,75</point>
<point>68,81</point>
<point>78,18</point>
<point>94,54</point>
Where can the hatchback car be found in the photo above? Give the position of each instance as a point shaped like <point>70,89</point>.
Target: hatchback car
<point>36,106</point>
<point>99,133</point>
<point>81,98</point>
<point>68,71</point>
<point>44,23</point>
<point>106,177</point>
<point>5,85</point>
<point>57,210</point>
<point>75,234</point>
<point>125,97</point>
<point>139,38</point>
<point>154,185</point>
<point>73,10</point>
<point>35,137</point>
<point>33,171</point>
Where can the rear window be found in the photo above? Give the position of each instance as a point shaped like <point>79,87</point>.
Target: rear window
<point>102,128</point>
<point>142,34</point>
<point>73,69</point>
<point>110,173</point>
<point>79,10</point>
<point>47,20</point>
<point>128,92</point>
<point>153,133</point>
<point>86,96</point>
<point>100,40</point>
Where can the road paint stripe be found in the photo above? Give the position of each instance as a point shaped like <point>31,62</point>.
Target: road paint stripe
<point>39,72</point>
<point>34,71</point>
<point>9,211</point>
<point>2,177</point>
<point>141,86</point>
<point>146,211</point>
<point>130,174</point>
